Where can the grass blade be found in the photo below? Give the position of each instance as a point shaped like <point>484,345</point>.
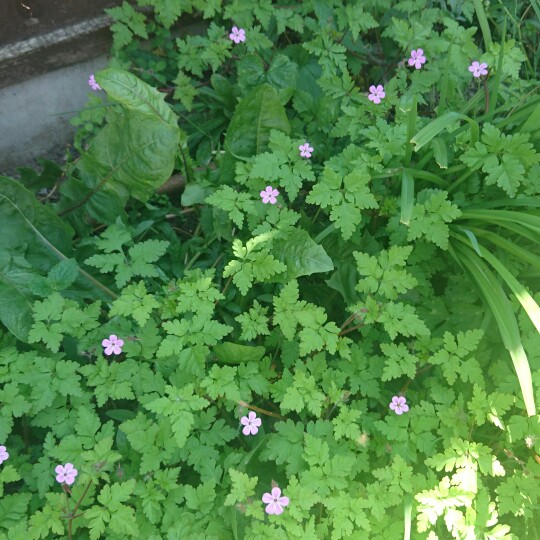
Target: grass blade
<point>427,133</point>
<point>407,198</point>
<point>517,288</point>
<point>495,297</point>
<point>484,24</point>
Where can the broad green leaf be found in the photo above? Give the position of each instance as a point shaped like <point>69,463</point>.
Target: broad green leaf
<point>134,94</point>
<point>301,255</point>
<point>15,310</point>
<point>255,116</point>
<point>45,237</point>
<point>132,155</point>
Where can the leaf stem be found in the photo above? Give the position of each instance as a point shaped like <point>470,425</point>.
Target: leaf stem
<point>258,409</point>
<point>73,515</point>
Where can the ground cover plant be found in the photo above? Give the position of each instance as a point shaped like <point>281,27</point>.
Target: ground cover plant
<point>331,330</point>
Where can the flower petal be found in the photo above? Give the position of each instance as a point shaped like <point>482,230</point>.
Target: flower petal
<point>271,508</point>
<point>284,501</point>
<point>267,498</point>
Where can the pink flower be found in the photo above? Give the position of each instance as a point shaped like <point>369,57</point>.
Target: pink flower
<point>269,195</point>
<point>399,405</point>
<point>93,84</point>
<point>478,69</point>
<point>251,423</point>
<point>113,345</point>
<point>238,34</point>
<point>417,58</point>
<point>65,474</point>
<point>274,501</point>
<point>3,454</point>
<point>305,150</point>
<point>377,93</point>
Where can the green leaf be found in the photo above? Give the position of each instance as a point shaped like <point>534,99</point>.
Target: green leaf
<point>440,152</point>
<point>232,353</point>
<point>63,274</point>
<point>135,302</point>
<point>499,304</point>
<point>254,264</point>
<point>347,196</point>
<point>385,274</point>
<point>236,204</point>
<point>430,217</point>
<point>132,155</point>
<point>504,158</point>
<point>399,318</point>
<point>525,299</point>
<point>255,116</point>
<point>15,310</point>
<point>301,255</point>
<point>429,132</point>
<point>242,488</point>
<point>134,94</point>
<point>399,361</point>
<point>254,322</point>
<point>45,237</point>
<point>407,198</point>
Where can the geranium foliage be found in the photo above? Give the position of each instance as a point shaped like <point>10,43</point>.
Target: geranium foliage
<point>288,287</point>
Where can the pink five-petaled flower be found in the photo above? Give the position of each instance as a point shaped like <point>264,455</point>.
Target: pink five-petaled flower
<point>269,195</point>
<point>251,424</point>
<point>3,454</point>
<point>237,34</point>
<point>478,69</point>
<point>112,345</point>
<point>305,150</point>
<point>274,501</point>
<point>417,58</point>
<point>93,84</point>
<point>65,474</point>
<point>399,405</point>
<point>377,93</point>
